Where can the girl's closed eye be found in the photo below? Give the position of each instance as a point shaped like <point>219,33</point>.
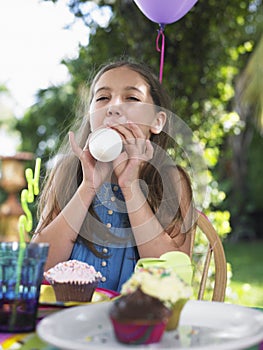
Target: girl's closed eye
<point>133,98</point>
<point>102,98</point>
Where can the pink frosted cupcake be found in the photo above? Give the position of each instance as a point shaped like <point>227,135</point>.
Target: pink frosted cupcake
<point>149,300</point>
<point>73,280</point>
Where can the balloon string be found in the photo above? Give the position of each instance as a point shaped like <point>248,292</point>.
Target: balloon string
<point>161,34</point>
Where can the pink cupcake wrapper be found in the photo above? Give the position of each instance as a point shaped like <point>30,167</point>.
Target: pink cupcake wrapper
<point>131,333</point>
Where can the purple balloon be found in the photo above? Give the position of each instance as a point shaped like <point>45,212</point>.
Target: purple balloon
<point>165,11</point>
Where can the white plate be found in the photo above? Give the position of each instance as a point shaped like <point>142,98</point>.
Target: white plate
<point>203,325</point>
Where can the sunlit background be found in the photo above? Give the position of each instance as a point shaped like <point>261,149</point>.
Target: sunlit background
<point>35,36</point>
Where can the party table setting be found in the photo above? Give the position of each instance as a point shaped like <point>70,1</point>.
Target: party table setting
<point>41,322</point>
<point>86,326</point>
<point>33,317</point>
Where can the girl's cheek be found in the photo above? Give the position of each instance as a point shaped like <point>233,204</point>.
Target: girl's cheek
<point>95,126</point>
<point>96,120</point>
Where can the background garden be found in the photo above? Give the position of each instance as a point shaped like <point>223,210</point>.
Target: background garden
<point>214,73</point>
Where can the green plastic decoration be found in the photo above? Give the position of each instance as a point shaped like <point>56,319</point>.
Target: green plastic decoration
<point>25,222</point>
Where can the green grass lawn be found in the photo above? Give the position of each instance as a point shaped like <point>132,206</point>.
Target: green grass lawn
<point>246,285</point>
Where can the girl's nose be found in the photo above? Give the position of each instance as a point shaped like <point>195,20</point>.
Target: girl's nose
<point>115,115</point>
<point>114,111</point>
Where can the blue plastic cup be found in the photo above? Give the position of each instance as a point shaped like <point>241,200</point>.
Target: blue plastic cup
<point>21,275</point>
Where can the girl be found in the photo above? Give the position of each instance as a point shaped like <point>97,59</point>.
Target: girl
<point>139,205</point>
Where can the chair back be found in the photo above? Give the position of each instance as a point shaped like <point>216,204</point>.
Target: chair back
<point>214,249</point>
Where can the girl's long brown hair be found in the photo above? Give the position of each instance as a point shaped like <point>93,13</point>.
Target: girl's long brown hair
<point>62,181</point>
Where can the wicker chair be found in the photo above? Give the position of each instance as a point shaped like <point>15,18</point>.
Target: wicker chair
<point>215,249</point>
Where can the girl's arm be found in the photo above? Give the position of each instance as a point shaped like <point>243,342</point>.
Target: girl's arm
<point>151,238</point>
<point>62,232</point>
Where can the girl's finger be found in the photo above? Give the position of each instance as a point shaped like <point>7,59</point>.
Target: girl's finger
<point>135,128</point>
<point>124,132</point>
<point>74,146</point>
<point>132,133</point>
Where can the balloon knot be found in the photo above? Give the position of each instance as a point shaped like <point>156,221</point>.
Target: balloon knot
<point>162,26</point>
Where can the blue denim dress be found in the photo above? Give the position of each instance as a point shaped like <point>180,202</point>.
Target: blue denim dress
<point>122,254</point>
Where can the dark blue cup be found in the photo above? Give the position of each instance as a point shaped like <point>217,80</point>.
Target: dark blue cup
<point>21,275</point>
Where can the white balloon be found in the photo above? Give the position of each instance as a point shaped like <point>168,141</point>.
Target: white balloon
<point>105,144</point>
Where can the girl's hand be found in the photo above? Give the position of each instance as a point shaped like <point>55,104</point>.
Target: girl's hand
<point>137,149</point>
<point>94,172</point>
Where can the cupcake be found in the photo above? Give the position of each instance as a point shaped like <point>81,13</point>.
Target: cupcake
<point>139,318</point>
<point>150,303</point>
<point>73,280</point>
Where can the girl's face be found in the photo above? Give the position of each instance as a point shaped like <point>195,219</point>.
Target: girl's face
<point>122,95</point>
